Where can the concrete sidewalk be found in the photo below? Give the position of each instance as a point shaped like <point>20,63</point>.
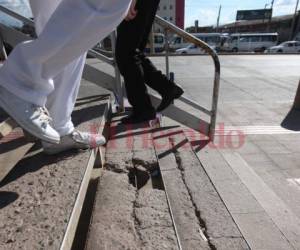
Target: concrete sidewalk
<point>255,162</point>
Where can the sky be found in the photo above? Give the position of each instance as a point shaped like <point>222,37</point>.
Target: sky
<point>206,11</point>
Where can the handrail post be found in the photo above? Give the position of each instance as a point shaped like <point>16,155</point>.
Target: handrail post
<point>213,118</point>
<point>119,86</point>
<point>167,48</point>
<point>215,100</point>
<point>3,50</point>
<point>151,39</point>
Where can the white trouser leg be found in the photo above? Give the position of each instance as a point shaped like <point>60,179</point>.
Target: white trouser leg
<point>61,101</point>
<point>74,27</point>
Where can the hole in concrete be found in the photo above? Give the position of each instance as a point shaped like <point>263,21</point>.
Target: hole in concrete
<point>98,161</point>
<point>132,177</point>
<point>140,178</point>
<point>157,181</point>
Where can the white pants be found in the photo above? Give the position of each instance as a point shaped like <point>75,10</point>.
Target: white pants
<point>48,70</point>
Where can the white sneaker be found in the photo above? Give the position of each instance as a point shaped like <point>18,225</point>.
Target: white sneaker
<point>75,140</point>
<point>32,118</point>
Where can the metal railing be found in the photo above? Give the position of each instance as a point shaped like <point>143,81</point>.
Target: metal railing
<point>118,89</point>
<point>167,26</point>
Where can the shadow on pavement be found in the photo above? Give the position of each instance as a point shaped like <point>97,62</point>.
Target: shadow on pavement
<point>34,163</point>
<point>292,120</point>
<point>7,198</point>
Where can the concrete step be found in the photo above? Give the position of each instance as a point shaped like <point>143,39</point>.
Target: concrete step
<point>131,210</point>
<point>42,197</point>
<point>154,194</point>
<point>264,219</point>
<point>13,147</point>
<point>202,219</point>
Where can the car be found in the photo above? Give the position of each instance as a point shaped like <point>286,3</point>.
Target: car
<point>286,47</point>
<point>192,49</point>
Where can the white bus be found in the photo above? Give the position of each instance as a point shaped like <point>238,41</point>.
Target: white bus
<point>250,42</point>
<point>159,43</point>
<point>212,39</point>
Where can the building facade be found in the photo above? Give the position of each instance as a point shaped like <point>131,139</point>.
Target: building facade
<point>172,11</point>
<point>280,24</point>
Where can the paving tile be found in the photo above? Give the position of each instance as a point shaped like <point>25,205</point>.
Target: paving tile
<point>260,232</point>
<point>286,161</point>
<point>237,197</point>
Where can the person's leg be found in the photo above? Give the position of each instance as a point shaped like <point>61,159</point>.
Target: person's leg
<point>154,78</point>
<point>66,83</point>
<point>61,101</point>
<point>74,27</point>
<point>130,36</point>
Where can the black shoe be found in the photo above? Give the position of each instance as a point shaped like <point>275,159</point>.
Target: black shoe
<point>168,99</point>
<point>135,118</point>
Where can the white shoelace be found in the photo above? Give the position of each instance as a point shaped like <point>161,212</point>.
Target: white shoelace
<point>43,114</point>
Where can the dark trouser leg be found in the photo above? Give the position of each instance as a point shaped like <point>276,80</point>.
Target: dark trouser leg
<point>154,78</point>
<point>130,37</point>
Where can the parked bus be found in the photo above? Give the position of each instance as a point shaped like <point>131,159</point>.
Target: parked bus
<point>254,42</point>
<point>159,43</point>
<point>212,39</point>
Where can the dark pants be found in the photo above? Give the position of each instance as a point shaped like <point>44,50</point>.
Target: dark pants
<point>135,67</point>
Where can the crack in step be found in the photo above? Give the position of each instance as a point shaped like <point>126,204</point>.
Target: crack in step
<point>201,222</point>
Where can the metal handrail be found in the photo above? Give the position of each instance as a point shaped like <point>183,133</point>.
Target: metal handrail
<point>187,36</point>
<point>17,16</point>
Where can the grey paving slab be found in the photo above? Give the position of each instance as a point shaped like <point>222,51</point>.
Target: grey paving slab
<point>219,224</point>
<point>248,148</point>
<point>260,163</point>
<point>291,146</point>
<point>286,187</point>
<point>237,197</point>
<point>243,206</point>
<point>260,232</point>
<point>215,166</point>
<point>271,147</point>
<point>284,218</point>
<point>286,161</point>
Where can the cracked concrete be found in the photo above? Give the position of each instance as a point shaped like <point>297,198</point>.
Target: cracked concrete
<point>129,212</point>
<point>38,196</point>
<point>218,225</point>
<point>202,224</point>
<point>154,223</point>
<point>188,227</point>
